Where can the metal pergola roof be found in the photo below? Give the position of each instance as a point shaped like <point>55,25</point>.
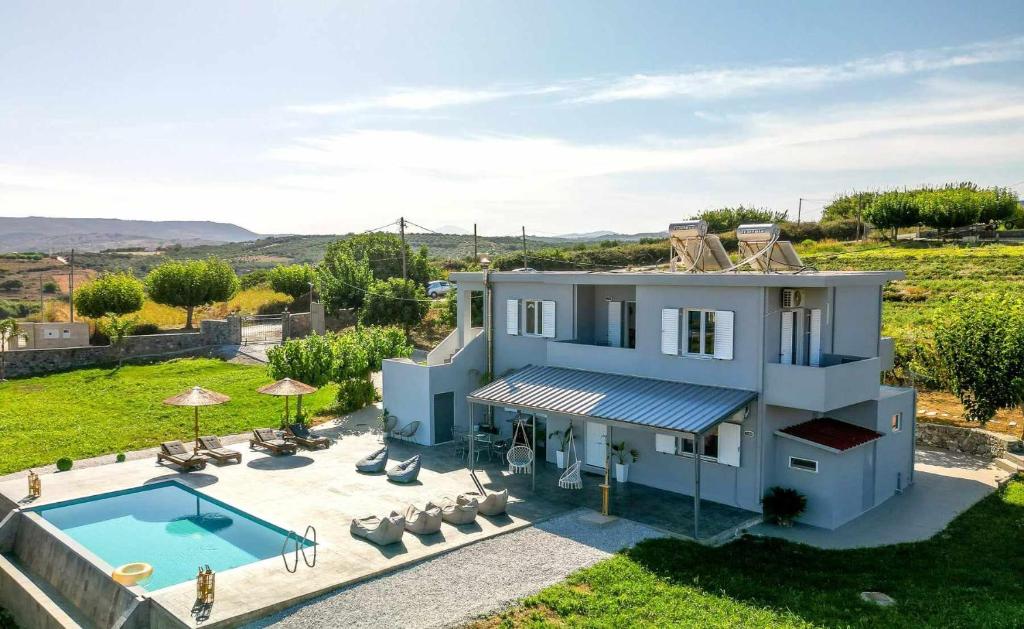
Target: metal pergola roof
<point>656,404</point>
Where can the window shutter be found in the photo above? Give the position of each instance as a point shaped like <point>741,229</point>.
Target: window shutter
<point>723,334</point>
<point>512,316</point>
<point>729,444</point>
<point>665,443</point>
<point>548,319</point>
<point>615,323</point>
<point>670,331</point>
<point>815,351</point>
<point>786,341</point>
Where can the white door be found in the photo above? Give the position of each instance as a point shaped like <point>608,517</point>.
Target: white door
<point>615,324</point>
<point>597,439</point>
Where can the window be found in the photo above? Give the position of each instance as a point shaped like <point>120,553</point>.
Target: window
<point>533,323</point>
<point>722,444</point>
<point>700,332</point>
<point>807,465</point>
<point>710,445</point>
<point>897,422</point>
<point>540,318</point>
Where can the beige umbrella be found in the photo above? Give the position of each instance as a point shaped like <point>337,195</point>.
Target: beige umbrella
<point>196,397</point>
<point>287,388</point>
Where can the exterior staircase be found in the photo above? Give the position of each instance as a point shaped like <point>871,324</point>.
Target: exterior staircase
<point>1011,462</point>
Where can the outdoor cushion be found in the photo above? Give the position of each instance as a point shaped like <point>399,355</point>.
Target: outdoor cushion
<point>406,471</point>
<point>213,447</point>
<point>374,462</point>
<point>301,433</point>
<point>422,522</point>
<point>380,531</point>
<point>175,448</point>
<point>462,510</point>
<point>491,504</point>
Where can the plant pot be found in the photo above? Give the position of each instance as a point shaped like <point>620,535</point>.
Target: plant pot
<point>560,459</point>
<point>621,472</point>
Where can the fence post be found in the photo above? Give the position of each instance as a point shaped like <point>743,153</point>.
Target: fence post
<point>317,322</point>
<point>286,325</point>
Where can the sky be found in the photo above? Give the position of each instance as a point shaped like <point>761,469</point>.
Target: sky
<point>568,116</point>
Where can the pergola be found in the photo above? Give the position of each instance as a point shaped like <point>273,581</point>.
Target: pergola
<point>616,400</point>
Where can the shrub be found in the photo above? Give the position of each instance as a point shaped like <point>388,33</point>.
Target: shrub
<point>64,464</point>
<point>113,293</point>
<point>783,505</point>
<point>395,302</point>
<point>50,287</point>
<point>143,329</point>
<point>354,394</point>
<point>843,229</point>
<point>260,278</point>
<point>292,280</point>
<point>341,280</point>
<point>11,285</point>
<point>121,457</point>
<point>729,218</point>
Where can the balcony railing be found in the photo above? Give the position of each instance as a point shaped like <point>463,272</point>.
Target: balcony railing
<point>839,381</point>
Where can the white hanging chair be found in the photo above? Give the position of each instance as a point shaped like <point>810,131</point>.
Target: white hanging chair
<point>572,478</point>
<point>520,457</point>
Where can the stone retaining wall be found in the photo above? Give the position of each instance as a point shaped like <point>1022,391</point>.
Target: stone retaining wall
<point>973,441</point>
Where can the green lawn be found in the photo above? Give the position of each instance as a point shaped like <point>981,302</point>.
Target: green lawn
<point>89,412</point>
<point>970,575</point>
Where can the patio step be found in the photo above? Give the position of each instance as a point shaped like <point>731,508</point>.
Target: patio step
<point>1014,458</point>
<point>1009,465</point>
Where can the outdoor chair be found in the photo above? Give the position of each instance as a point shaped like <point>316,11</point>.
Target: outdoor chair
<point>380,531</point>
<point>491,504</point>
<point>459,511</point>
<point>422,522</point>
<point>406,471</point>
<point>389,425</point>
<point>300,434</point>
<point>213,448</point>
<point>407,431</point>
<point>374,463</point>
<point>266,438</point>
<point>174,452</point>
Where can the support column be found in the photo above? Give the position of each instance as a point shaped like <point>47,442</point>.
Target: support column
<point>698,452</point>
<point>606,486</point>
<point>533,444</point>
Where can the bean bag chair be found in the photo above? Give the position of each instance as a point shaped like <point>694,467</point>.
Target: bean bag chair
<point>462,510</point>
<point>405,472</point>
<point>422,522</point>
<point>373,463</point>
<point>491,504</point>
<point>380,531</point>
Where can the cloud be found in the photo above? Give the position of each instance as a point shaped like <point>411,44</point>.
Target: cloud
<point>421,99</point>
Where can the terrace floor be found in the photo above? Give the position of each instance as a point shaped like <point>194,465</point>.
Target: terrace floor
<point>322,488</point>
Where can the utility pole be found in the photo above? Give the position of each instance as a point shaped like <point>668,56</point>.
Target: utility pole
<point>799,209</point>
<point>475,255</point>
<point>41,309</point>
<point>525,260</point>
<point>401,230</point>
<point>71,287</point>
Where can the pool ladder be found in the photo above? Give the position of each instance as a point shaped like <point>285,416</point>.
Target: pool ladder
<point>300,546</point>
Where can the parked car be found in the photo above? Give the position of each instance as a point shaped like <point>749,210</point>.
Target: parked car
<point>438,287</point>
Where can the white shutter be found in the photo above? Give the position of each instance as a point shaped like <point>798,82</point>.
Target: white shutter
<point>815,357</point>
<point>723,334</point>
<point>615,323</point>
<point>548,319</point>
<point>664,443</point>
<point>512,316</point>
<point>670,331</point>
<point>786,341</point>
<point>729,444</point>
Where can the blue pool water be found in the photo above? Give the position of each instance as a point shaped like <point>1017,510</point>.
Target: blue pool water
<point>167,525</point>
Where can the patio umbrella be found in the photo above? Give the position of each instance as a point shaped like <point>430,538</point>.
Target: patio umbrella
<point>287,388</point>
<point>196,397</point>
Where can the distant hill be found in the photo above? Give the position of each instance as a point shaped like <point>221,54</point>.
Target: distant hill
<point>36,233</point>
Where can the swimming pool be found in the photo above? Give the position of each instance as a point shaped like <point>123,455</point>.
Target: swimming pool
<point>170,526</point>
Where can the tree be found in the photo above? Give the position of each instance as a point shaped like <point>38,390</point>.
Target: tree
<point>729,218</point>
<point>998,205</point>
<point>254,279</point>
<point>109,294</point>
<point>11,285</point>
<point>950,208</point>
<point>341,280</point>
<point>191,283</point>
<point>847,206</point>
<point>383,253</point>
<point>395,302</point>
<point>50,287</point>
<point>9,330</point>
<point>980,346</point>
<point>116,327</point>
<point>450,308</point>
<point>893,210</point>
<point>293,279</point>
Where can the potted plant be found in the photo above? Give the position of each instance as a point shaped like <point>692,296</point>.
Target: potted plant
<point>624,455</point>
<point>563,447</point>
<point>783,505</point>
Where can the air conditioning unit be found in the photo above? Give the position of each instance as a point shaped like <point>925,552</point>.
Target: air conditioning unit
<point>792,297</point>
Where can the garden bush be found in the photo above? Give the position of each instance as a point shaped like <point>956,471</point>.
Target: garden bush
<point>64,464</point>
<point>783,505</point>
<point>121,457</point>
<point>142,329</point>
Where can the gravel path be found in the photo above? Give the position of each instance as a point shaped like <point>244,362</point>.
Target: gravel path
<point>468,582</point>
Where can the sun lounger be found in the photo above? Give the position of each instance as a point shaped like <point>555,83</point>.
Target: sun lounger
<point>174,452</point>
<point>301,435</point>
<point>373,463</point>
<point>422,522</point>
<point>268,439</point>
<point>213,448</point>
<point>406,471</point>
<point>380,531</point>
<point>462,510</point>
<point>407,431</point>
<point>491,504</point>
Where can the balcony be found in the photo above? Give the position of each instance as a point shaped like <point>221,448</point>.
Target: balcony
<point>589,356</point>
<point>840,381</point>
<point>887,353</point>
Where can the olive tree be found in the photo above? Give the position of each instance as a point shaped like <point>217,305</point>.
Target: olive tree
<point>980,346</point>
<point>110,294</point>
<point>191,283</point>
<point>893,210</point>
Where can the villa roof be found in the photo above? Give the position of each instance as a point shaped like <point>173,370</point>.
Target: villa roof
<point>831,434</point>
<point>658,404</point>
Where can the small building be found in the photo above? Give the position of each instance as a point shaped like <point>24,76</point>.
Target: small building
<point>49,335</point>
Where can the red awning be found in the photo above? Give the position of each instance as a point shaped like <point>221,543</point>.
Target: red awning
<point>831,433</point>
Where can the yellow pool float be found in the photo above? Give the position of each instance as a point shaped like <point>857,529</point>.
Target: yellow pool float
<point>132,573</point>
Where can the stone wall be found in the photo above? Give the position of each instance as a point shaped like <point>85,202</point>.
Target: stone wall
<point>974,441</point>
<point>39,361</point>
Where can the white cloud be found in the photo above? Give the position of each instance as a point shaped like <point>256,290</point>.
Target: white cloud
<point>421,99</point>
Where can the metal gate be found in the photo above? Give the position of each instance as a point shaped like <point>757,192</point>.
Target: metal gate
<point>261,329</point>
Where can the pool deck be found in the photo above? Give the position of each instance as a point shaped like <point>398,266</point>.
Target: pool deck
<point>321,488</point>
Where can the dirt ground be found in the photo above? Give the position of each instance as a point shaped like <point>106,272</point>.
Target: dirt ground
<point>941,407</point>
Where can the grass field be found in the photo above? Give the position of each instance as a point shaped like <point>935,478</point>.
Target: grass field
<point>90,412</point>
<point>967,576</point>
